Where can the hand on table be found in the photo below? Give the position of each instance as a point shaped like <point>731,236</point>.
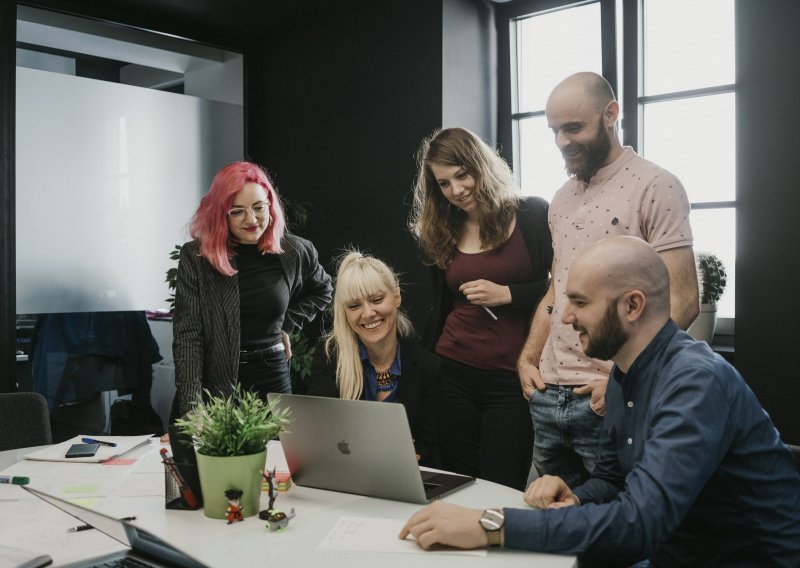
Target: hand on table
<point>446,524</point>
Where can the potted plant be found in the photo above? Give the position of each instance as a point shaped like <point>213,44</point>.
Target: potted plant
<point>712,279</point>
<point>230,435</point>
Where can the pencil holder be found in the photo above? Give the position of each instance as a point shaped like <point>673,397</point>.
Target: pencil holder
<point>172,491</point>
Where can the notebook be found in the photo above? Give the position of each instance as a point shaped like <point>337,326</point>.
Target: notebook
<point>143,546</point>
<point>358,446</point>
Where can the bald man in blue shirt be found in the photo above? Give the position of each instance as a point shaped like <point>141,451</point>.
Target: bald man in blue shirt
<point>690,469</point>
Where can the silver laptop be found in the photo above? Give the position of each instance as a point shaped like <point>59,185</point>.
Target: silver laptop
<point>358,446</point>
<point>143,547</point>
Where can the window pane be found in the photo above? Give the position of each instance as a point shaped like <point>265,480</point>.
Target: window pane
<point>714,231</point>
<point>695,139</point>
<point>553,46</point>
<point>688,44</point>
<point>541,167</point>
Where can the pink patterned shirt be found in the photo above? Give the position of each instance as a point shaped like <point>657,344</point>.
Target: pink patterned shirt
<point>631,196</point>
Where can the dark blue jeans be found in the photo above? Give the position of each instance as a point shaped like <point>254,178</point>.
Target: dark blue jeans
<point>567,433</point>
<point>265,373</point>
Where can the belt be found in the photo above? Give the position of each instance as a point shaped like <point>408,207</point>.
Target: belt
<point>570,387</point>
<point>246,355</point>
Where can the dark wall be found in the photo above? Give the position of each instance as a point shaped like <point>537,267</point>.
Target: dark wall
<point>469,73</point>
<point>344,98</point>
<point>768,230</point>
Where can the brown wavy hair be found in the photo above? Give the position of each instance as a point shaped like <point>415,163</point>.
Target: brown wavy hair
<point>435,224</point>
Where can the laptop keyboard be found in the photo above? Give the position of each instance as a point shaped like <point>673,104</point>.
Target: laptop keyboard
<point>432,481</point>
<point>126,562</point>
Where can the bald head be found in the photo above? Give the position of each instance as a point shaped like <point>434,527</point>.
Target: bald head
<point>624,263</point>
<point>585,87</point>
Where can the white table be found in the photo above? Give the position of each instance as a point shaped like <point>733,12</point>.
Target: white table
<point>138,490</point>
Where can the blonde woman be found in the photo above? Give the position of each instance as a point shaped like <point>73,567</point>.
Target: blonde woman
<point>370,353</point>
<point>490,253</point>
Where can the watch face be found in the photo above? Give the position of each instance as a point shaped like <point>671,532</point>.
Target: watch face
<point>492,520</point>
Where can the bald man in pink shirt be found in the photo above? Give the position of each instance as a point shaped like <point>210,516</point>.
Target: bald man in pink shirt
<point>611,191</point>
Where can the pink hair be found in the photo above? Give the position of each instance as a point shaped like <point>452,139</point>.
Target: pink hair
<point>209,225</point>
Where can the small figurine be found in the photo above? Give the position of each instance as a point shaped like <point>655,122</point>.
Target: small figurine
<point>269,477</point>
<point>234,509</point>
<point>278,520</point>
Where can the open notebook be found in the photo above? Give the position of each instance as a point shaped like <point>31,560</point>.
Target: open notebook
<point>125,446</point>
<point>358,446</point>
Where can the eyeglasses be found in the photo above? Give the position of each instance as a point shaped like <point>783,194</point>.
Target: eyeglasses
<point>260,211</point>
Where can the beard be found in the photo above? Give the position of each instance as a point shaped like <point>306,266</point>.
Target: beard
<point>583,160</point>
<point>609,337</point>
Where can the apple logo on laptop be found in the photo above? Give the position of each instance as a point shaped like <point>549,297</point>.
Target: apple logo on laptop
<point>344,447</point>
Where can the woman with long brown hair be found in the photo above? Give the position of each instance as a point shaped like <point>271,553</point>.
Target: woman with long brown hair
<point>490,254</point>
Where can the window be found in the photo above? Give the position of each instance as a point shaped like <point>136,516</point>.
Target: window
<point>540,67</point>
<point>687,108</point>
<point>676,86</point>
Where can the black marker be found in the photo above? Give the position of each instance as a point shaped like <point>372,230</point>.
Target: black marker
<point>80,528</point>
<point>101,442</point>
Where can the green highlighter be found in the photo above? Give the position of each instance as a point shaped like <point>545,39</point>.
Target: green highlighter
<point>15,480</point>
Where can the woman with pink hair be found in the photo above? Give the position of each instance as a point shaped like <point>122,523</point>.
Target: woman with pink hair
<point>244,284</point>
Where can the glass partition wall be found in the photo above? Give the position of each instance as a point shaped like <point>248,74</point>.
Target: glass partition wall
<point>118,135</point>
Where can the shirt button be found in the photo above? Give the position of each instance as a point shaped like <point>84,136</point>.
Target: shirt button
<point>630,441</point>
<point>630,404</point>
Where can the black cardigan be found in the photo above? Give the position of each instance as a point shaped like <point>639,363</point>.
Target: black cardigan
<point>206,326</point>
<point>417,390</point>
<point>532,221</point>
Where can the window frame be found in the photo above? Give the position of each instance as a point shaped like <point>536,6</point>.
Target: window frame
<point>631,75</point>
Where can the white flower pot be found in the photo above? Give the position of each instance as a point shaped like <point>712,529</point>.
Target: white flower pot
<point>702,329</point>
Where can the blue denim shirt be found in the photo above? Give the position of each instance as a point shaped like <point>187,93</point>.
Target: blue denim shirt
<point>690,471</point>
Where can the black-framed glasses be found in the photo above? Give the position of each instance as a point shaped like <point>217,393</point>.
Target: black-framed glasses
<point>260,211</point>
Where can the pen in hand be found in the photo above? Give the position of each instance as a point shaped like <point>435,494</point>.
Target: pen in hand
<point>101,442</point>
<point>80,528</point>
<point>485,308</point>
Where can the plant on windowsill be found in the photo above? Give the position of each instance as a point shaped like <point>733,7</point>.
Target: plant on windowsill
<point>230,435</point>
<point>712,279</point>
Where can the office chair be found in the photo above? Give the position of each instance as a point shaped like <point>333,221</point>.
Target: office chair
<point>24,420</point>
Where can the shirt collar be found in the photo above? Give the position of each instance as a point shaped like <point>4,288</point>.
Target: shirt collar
<point>393,369</point>
<point>648,353</point>
<point>607,172</point>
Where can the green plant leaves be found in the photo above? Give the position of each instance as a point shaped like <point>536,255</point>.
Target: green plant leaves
<point>235,425</point>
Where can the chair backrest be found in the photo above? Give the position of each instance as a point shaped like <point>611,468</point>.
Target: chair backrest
<point>24,420</point>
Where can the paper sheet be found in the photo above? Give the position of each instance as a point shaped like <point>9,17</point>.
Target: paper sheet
<point>368,534</point>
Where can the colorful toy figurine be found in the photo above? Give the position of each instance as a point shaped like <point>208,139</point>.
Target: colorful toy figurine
<point>278,520</point>
<point>234,509</point>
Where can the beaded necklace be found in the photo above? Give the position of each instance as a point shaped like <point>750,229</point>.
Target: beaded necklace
<point>385,379</point>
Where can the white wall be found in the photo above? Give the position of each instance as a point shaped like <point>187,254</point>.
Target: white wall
<point>107,178</point>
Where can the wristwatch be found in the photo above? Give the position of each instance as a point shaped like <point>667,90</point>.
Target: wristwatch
<point>492,522</point>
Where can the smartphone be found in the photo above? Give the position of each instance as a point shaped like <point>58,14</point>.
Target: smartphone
<point>82,450</point>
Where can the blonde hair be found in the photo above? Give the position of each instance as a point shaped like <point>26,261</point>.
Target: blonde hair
<point>435,224</point>
<point>358,276</point>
